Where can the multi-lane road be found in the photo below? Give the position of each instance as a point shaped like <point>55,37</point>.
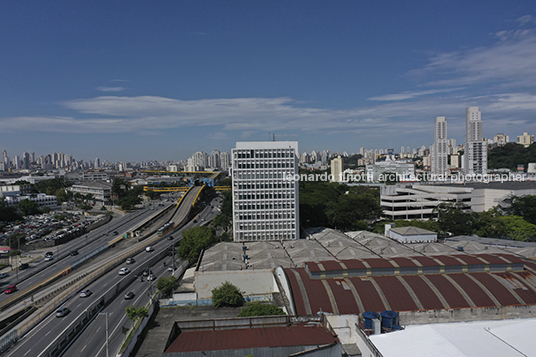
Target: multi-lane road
<point>40,269</point>
<point>91,341</point>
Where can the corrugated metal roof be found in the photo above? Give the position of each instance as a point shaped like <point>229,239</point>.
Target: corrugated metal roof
<point>294,335</point>
<point>414,292</point>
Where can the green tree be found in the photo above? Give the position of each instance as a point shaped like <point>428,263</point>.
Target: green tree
<point>453,218</point>
<point>525,206</point>
<point>227,295</point>
<point>519,229</point>
<point>129,202</point>
<point>259,309</point>
<point>8,213</point>
<point>28,207</point>
<point>167,285</point>
<point>194,240</point>
<point>135,313</point>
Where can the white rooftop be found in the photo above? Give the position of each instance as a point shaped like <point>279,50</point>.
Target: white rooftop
<point>499,338</point>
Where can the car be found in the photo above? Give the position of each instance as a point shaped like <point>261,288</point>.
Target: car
<point>151,277</point>
<point>146,272</point>
<point>49,254</point>
<point>129,260</point>
<point>74,252</point>
<point>170,269</point>
<point>149,249</point>
<point>10,289</point>
<point>48,258</point>
<point>3,275</point>
<point>124,271</point>
<point>85,293</point>
<point>195,220</point>
<point>115,233</point>
<point>24,266</point>
<point>129,295</point>
<point>170,238</point>
<point>62,311</point>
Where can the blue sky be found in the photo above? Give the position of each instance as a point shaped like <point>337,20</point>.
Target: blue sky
<point>158,80</point>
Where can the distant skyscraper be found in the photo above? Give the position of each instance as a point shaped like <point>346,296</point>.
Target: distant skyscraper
<point>225,160</point>
<point>475,155</point>
<point>215,159</point>
<point>265,194</point>
<point>97,163</point>
<point>336,169</point>
<point>440,149</point>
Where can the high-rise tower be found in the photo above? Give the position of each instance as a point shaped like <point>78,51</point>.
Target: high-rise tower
<point>475,155</point>
<point>265,194</point>
<point>440,147</point>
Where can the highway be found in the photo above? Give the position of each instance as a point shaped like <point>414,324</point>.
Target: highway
<point>40,270</point>
<point>90,342</point>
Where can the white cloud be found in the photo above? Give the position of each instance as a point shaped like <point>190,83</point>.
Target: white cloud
<point>527,19</point>
<point>410,95</point>
<point>111,89</point>
<point>508,62</point>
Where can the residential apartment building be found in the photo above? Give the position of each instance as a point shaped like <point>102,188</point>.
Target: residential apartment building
<point>476,150</point>
<point>440,148</point>
<point>265,194</point>
<point>336,169</point>
<point>526,140</point>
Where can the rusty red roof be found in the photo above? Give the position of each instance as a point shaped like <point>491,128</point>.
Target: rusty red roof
<point>410,292</point>
<point>235,339</point>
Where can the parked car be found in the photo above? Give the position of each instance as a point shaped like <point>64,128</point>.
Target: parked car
<point>129,295</point>
<point>129,260</point>
<point>85,293</point>
<point>149,249</point>
<point>63,311</point>
<point>124,271</point>
<point>10,289</point>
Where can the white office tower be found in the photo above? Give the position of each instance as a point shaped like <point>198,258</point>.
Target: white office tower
<point>214,159</point>
<point>475,156</point>
<point>265,194</point>
<point>440,148</point>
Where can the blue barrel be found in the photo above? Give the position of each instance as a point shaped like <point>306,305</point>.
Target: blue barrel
<point>368,316</point>
<point>397,328</point>
<point>389,318</point>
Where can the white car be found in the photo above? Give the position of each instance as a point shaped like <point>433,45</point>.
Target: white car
<point>85,293</point>
<point>124,271</point>
<point>48,258</point>
<point>151,277</point>
<point>149,249</point>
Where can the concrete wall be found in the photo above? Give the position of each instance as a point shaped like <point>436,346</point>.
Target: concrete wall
<point>413,238</point>
<point>250,282</point>
<point>328,351</point>
<point>468,314</point>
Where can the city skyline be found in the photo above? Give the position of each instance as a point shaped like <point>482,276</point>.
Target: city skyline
<point>159,81</point>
